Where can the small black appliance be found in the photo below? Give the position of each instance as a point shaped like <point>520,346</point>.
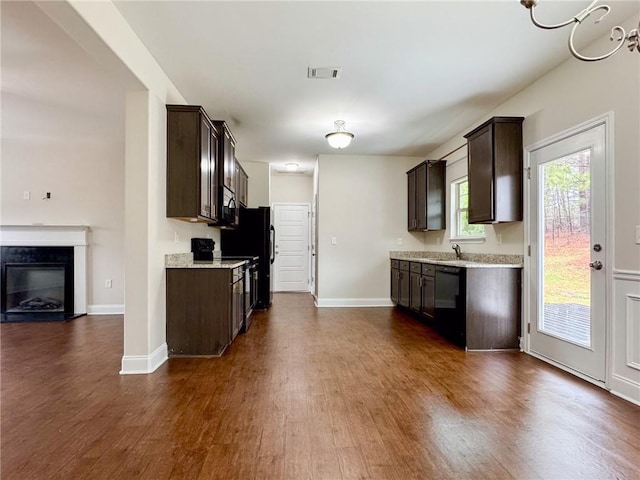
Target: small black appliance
<point>202,249</point>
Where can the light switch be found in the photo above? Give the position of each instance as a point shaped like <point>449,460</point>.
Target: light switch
<point>334,241</point>
<point>638,235</point>
<point>26,195</point>
<point>399,240</point>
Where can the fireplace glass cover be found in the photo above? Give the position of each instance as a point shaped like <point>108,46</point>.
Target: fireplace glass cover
<point>35,288</point>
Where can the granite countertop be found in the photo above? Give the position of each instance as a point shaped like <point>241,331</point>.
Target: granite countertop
<point>468,260</point>
<point>185,260</point>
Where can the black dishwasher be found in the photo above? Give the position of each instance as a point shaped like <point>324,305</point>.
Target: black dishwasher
<point>450,303</point>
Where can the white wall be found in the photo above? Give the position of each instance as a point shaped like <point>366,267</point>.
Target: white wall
<point>149,235</point>
<point>291,188</point>
<point>363,203</point>
<point>63,133</point>
<point>259,190</point>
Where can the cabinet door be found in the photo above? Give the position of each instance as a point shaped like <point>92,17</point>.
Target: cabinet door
<point>395,285</point>
<point>481,177</point>
<point>428,308</point>
<point>205,168</point>
<point>229,164</point>
<point>403,295</point>
<point>411,200</point>
<point>241,185</point>
<point>213,177</point>
<point>415,293</point>
<point>421,197</point>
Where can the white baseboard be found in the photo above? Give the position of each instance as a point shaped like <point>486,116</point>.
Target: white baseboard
<point>625,388</point>
<point>140,364</point>
<point>105,309</point>
<point>353,302</point>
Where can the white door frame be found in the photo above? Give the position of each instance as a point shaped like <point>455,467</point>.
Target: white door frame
<point>606,120</point>
<point>309,241</point>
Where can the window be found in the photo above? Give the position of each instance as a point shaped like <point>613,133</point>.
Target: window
<point>460,228</point>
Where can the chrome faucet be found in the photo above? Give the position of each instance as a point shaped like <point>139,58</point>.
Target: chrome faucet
<point>456,247</point>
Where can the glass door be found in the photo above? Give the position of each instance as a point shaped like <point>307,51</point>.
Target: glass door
<point>568,300</point>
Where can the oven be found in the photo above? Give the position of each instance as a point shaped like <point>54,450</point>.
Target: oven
<point>253,278</point>
<point>250,290</point>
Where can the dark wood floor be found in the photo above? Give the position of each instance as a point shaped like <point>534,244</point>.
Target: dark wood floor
<point>307,393</point>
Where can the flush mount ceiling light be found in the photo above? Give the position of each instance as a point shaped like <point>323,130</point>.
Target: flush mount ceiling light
<point>291,167</point>
<point>617,33</point>
<point>340,138</point>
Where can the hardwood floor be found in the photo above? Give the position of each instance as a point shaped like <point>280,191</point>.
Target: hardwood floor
<point>307,393</point>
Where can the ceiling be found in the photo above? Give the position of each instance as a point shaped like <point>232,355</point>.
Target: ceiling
<point>414,74</point>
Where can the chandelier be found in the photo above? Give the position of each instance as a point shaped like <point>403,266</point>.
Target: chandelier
<point>340,138</point>
<point>617,33</point>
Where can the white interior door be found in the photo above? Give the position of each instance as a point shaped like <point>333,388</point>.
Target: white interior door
<point>291,266</point>
<point>568,251</point>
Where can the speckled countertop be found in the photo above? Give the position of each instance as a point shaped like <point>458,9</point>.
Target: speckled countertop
<point>185,260</point>
<point>468,260</point>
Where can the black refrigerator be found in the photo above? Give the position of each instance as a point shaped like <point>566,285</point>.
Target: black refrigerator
<point>254,236</point>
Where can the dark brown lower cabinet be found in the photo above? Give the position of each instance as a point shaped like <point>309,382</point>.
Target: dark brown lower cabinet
<point>493,308</point>
<point>404,294</point>
<point>486,310</point>
<point>428,292</point>
<point>400,283</point>
<point>204,310</point>
<point>395,281</point>
<point>415,288</point>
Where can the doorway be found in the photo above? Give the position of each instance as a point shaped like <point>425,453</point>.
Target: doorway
<point>292,248</point>
<point>569,250</point>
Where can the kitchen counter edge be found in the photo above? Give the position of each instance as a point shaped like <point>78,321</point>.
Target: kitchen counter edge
<point>185,260</point>
<point>486,261</point>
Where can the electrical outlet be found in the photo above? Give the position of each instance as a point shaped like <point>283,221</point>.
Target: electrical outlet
<point>108,284</point>
<point>26,195</point>
<point>399,240</point>
<point>638,235</point>
<point>176,237</point>
<point>334,241</point>
<point>499,239</point>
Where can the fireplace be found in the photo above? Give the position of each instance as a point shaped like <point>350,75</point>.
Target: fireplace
<point>42,273</point>
<point>36,281</point>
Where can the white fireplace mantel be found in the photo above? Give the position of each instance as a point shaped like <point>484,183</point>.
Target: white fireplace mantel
<point>75,236</point>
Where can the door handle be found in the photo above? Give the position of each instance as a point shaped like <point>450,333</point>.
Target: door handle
<point>597,265</point>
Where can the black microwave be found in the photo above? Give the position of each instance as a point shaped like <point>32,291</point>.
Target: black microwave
<point>229,210</point>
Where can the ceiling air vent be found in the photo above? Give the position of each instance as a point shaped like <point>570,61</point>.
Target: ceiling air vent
<point>324,72</point>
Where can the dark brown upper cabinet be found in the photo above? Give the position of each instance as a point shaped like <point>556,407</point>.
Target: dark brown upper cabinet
<point>201,168</point>
<point>426,196</point>
<point>242,185</point>
<point>192,145</point>
<point>227,154</point>
<point>229,210</point>
<point>495,171</point>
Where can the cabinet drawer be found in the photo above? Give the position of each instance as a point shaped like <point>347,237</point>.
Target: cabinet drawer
<point>395,263</point>
<point>428,269</point>
<point>404,265</point>
<point>416,267</point>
